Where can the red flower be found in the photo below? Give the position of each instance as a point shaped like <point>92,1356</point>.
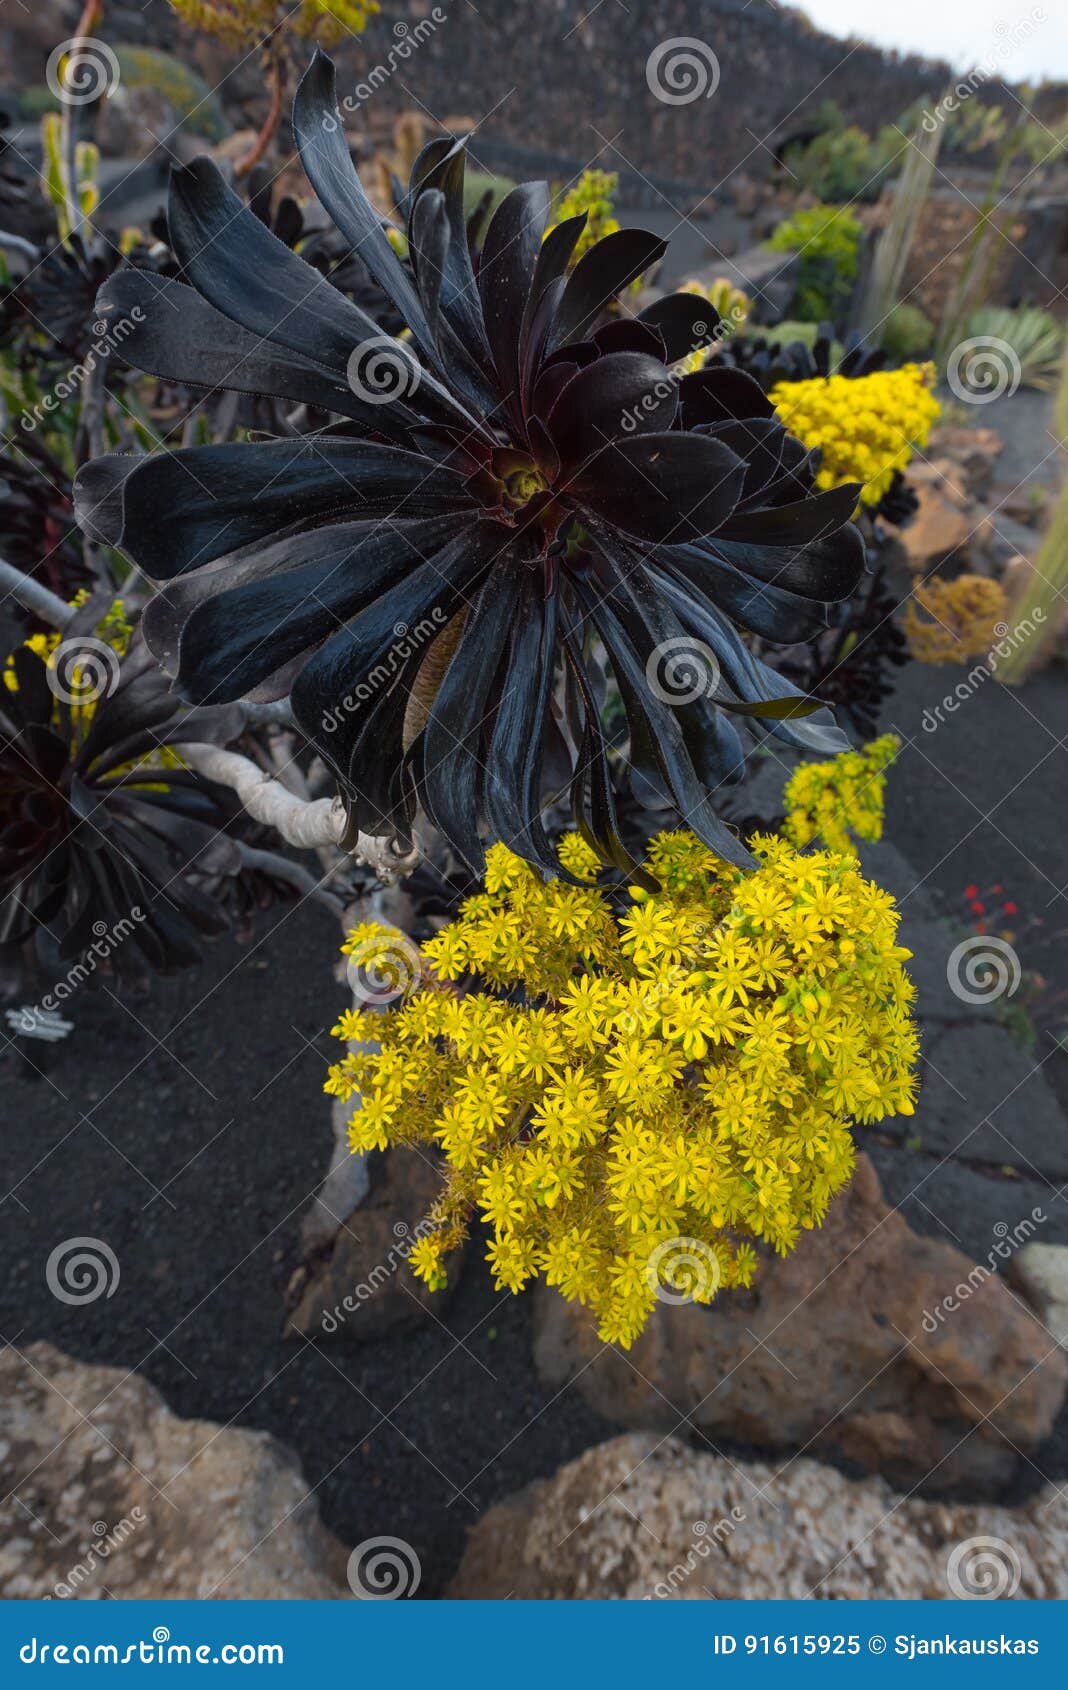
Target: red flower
<point>971,891</point>
<point>1011,909</point>
<point>978,908</point>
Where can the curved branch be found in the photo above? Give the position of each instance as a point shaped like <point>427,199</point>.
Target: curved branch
<point>34,596</point>
<point>306,825</point>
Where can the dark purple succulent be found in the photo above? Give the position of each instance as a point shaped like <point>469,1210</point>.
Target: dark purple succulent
<point>527,475</point>
<point>100,845</point>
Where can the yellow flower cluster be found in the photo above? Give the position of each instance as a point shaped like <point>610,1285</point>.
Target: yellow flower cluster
<point>115,629</point>
<point>630,1100</point>
<point>842,797</point>
<point>731,305</point>
<point>246,23</point>
<point>866,427</point>
<point>593,193</point>
<point>963,618</point>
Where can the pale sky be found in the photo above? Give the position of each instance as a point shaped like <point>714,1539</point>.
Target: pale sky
<point>1026,41</point>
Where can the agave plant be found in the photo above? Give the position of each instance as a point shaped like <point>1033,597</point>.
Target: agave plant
<point>528,473</point>
<point>97,833</point>
<point>1033,337</point>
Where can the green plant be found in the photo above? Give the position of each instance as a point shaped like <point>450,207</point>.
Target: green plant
<point>478,183</point>
<point>189,96</point>
<point>594,193</point>
<point>843,164</point>
<point>827,241</point>
<point>907,333</point>
<point>1033,336</point>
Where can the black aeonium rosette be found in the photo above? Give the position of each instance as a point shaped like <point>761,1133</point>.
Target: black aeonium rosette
<point>525,475</point>
<point>102,839</point>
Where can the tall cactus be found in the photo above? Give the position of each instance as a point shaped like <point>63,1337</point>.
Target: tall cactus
<point>1042,603</point>
<point>892,250</point>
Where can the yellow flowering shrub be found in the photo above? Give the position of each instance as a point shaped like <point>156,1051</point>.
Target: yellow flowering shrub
<point>866,427</point>
<point>114,629</point>
<point>244,23</point>
<point>842,797</point>
<point>732,306</point>
<point>631,1100</point>
<point>947,621</point>
<point>593,193</point>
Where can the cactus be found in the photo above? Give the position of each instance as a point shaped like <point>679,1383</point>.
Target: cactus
<point>1041,604</point>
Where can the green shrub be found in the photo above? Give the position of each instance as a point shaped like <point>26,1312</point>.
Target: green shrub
<point>842,164</point>
<point>188,95</point>
<point>827,240</point>
<point>907,333</point>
